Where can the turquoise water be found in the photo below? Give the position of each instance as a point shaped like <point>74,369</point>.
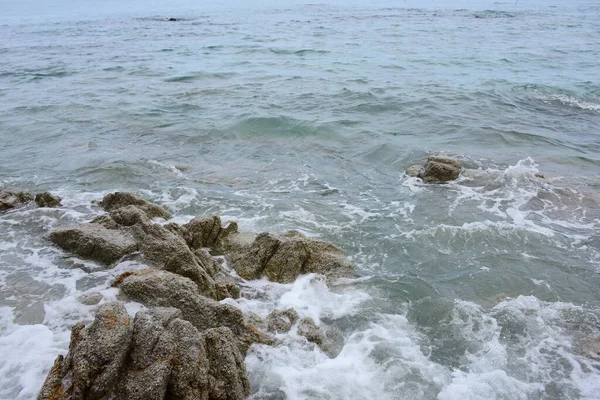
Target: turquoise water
<point>304,116</point>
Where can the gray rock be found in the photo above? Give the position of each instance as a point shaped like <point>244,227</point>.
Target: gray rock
<point>94,241</point>
<point>113,201</point>
<point>96,357</point>
<point>165,250</point>
<point>129,215</point>
<point>156,288</point>
<point>91,299</point>
<point>440,169</point>
<point>283,258</point>
<point>228,379</point>
<point>281,321</point>
<point>207,231</point>
<point>11,199</point>
<point>47,199</point>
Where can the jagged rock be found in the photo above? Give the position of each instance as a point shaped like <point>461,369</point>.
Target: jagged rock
<point>329,339</point>
<point>10,199</point>
<point>91,299</point>
<point>168,251</point>
<point>129,216</point>
<point>164,289</point>
<point>440,169</point>
<point>283,258</point>
<point>113,201</point>
<point>207,231</point>
<point>227,376</point>
<point>96,356</point>
<point>47,199</point>
<point>161,357</point>
<point>281,321</point>
<point>414,170</point>
<point>94,241</point>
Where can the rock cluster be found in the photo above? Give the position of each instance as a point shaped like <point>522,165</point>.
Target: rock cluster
<point>188,345</point>
<point>157,356</point>
<point>437,169</point>
<point>13,198</point>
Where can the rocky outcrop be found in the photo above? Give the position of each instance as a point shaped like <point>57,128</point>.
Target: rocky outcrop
<point>186,345</point>
<point>181,249</point>
<point>128,228</point>
<point>94,241</point>
<point>437,169</point>
<point>159,356</point>
<point>11,199</point>
<point>283,258</point>
<point>440,169</point>
<point>114,201</point>
<point>47,199</point>
<point>156,288</point>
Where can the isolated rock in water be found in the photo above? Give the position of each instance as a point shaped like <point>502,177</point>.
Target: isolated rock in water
<point>164,289</point>
<point>414,170</point>
<point>330,340</point>
<point>281,321</point>
<point>161,357</point>
<point>283,258</point>
<point>113,201</point>
<point>10,199</point>
<point>440,169</point>
<point>94,241</point>
<point>227,375</point>
<point>47,199</point>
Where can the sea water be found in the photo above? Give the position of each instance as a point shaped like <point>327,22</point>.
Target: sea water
<point>297,115</point>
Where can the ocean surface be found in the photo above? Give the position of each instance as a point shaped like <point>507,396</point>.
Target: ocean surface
<point>293,115</point>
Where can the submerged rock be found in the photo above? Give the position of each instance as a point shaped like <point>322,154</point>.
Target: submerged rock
<point>11,199</point>
<point>160,356</point>
<point>329,339</point>
<point>94,241</point>
<point>281,321</point>
<point>414,170</point>
<point>91,299</point>
<point>440,169</point>
<point>283,258</point>
<point>47,199</point>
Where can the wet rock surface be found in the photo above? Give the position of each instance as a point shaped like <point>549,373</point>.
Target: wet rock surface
<point>283,258</point>
<point>47,199</point>
<point>164,289</point>
<point>94,241</point>
<point>158,356</point>
<point>440,169</point>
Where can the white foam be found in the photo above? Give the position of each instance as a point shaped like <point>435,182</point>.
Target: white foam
<point>571,102</point>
